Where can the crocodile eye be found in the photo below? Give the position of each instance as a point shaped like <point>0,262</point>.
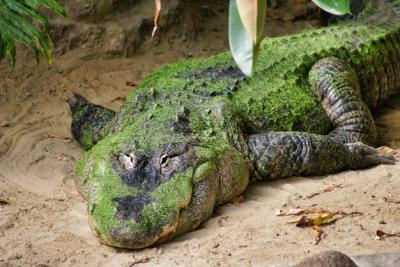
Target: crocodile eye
<point>164,161</point>
<point>129,161</point>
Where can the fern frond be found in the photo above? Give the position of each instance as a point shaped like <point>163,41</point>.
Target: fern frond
<point>17,19</point>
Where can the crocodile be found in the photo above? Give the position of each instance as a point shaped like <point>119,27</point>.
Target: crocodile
<point>195,133</point>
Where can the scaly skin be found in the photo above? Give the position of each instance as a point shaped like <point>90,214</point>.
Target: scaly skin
<point>195,133</point>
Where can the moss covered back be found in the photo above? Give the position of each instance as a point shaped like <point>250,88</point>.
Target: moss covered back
<point>208,107</point>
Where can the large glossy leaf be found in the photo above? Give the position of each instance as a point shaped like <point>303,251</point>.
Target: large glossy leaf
<point>336,7</point>
<point>252,14</point>
<point>246,28</point>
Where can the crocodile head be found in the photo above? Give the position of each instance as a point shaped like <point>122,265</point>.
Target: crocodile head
<point>145,187</point>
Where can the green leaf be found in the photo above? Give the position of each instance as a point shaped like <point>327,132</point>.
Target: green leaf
<point>50,4</point>
<point>17,25</point>
<point>336,7</point>
<point>246,28</point>
<point>28,30</point>
<point>26,10</point>
<point>252,14</point>
<point>13,32</point>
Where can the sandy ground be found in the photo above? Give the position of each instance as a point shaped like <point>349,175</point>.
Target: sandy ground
<point>43,218</point>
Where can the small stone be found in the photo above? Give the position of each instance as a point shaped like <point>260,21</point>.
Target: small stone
<point>327,259</point>
<point>215,245</point>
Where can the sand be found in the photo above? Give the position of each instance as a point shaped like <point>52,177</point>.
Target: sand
<point>43,218</point>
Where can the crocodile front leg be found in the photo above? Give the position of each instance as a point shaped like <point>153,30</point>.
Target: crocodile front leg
<point>283,154</point>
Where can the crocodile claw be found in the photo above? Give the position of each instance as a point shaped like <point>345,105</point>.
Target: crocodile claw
<point>363,155</point>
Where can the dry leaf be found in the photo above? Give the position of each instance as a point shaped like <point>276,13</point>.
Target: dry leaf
<point>140,260</point>
<point>391,200</point>
<point>320,232</point>
<point>353,213</point>
<point>237,200</point>
<point>291,212</point>
<point>316,219</point>
<point>326,189</point>
<point>63,157</point>
<point>381,234</point>
<point>54,136</point>
<point>4,202</point>
<point>388,150</point>
<point>156,17</point>
<point>119,98</point>
<point>131,83</point>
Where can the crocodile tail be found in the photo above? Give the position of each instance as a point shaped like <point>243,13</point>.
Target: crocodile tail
<point>356,8</point>
<point>396,5</point>
<point>368,11</point>
<point>377,12</point>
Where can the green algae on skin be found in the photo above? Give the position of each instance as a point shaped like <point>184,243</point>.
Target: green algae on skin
<point>211,114</point>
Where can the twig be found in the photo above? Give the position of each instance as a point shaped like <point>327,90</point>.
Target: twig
<point>54,136</point>
<point>325,190</point>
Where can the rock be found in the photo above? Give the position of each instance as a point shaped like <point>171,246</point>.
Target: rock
<point>80,9</point>
<point>89,10</point>
<point>116,39</point>
<point>119,27</point>
<point>327,259</point>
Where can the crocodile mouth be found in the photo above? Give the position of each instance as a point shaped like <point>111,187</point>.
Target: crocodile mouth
<point>185,216</point>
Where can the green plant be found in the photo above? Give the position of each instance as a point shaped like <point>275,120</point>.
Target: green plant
<point>246,26</point>
<point>18,23</point>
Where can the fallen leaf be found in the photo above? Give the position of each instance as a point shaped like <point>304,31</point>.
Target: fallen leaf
<point>316,219</point>
<point>54,136</point>
<point>4,202</point>
<point>119,98</point>
<point>312,195</point>
<point>291,212</point>
<point>237,200</point>
<point>325,190</point>
<point>131,83</point>
<point>388,150</point>
<point>215,245</point>
<point>391,200</point>
<point>140,260</point>
<point>63,157</point>
<point>320,232</point>
<point>381,234</point>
